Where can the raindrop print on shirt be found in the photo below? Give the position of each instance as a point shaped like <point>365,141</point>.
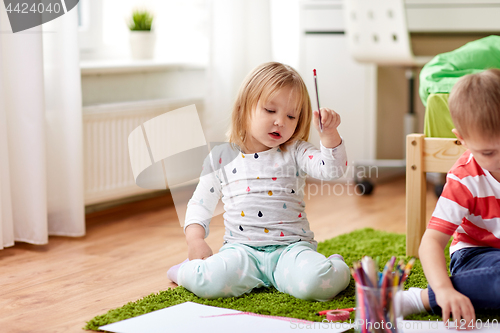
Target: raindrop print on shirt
<point>241,228</point>
<point>242,214</point>
<point>270,193</point>
<point>212,190</point>
<point>292,191</point>
<point>284,206</point>
<point>234,170</point>
<point>256,155</point>
<point>266,230</point>
<point>260,214</point>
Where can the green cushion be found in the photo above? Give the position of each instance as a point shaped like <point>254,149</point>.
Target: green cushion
<point>437,119</point>
<point>444,70</point>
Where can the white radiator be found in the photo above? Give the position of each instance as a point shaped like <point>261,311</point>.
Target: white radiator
<point>108,175</point>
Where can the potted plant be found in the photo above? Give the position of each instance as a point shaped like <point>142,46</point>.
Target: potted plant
<point>142,38</point>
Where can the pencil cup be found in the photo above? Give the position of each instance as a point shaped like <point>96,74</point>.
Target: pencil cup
<point>377,309</point>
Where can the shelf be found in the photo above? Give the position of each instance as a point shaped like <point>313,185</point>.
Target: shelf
<point>96,67</point>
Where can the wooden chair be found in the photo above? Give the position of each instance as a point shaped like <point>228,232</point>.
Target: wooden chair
<point>424,155</point>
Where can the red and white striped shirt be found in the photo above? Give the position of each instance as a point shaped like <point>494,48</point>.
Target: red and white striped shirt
<point>469,207</point>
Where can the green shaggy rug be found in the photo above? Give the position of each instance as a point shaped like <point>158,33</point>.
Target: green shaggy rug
<point>268,301</point>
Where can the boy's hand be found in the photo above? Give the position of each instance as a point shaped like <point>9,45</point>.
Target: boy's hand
<point>199,249</point>
<point>330,137</point>
<point>434,265</point>
<point>459,305</point>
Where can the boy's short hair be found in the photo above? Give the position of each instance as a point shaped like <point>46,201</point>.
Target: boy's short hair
<point>262,84</point>
<point>475,104</point>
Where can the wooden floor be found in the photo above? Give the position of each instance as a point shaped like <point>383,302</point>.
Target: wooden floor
<point>127,251</point>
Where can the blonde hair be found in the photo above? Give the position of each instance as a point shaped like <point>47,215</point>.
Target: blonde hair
<point>475,104</point>
<point>262,84</point>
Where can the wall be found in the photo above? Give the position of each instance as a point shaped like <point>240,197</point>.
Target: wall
<point>392,95</point>
<point>118,97</point>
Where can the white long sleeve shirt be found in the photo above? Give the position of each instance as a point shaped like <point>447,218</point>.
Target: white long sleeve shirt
<point>263,193</point>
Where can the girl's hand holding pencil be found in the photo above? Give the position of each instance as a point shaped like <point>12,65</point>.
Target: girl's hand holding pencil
<point>329,119</point>
<point>330,137</point>
<point>326,122</point>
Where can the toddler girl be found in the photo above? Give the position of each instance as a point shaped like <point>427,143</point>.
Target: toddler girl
<point>260,177</point>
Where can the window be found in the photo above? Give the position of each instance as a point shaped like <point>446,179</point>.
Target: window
<point>89,25</point>
<point>181,28</point>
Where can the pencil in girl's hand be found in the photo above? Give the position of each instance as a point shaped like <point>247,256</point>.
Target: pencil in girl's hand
<point>317,100</point>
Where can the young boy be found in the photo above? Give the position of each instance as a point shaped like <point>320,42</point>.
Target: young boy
<point>468,209</point>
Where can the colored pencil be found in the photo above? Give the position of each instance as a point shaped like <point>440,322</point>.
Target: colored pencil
<point>375,291</point>
<point>317,100</point>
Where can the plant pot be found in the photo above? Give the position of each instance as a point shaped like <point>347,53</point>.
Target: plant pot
<point>142,44</point>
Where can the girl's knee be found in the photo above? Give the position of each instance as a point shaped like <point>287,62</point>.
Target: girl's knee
<point>332,284</point>
<point>321,284</point>
<point>335,269</point>
<point>322,289</point>
<point>341,272</point>
<point>218,276</point>
<point>206,283</point>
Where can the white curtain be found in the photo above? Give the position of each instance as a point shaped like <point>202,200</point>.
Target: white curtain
<point>240,39</point>
<point>41,159</point>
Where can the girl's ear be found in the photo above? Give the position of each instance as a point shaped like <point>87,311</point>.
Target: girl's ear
<point>459,137</point>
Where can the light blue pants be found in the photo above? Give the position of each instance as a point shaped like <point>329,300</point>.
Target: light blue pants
<point>296,269</point>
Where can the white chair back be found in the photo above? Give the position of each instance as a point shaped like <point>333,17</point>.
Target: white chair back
<point>377,32</point>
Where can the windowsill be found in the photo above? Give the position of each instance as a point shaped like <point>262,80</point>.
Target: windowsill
<point>95,67</point>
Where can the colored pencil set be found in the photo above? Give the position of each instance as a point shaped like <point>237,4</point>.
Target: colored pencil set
<point>376,308</point>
